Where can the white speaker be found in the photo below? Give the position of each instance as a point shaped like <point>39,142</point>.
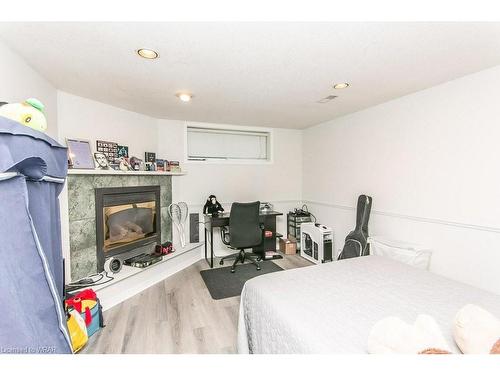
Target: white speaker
<point>112,265</point>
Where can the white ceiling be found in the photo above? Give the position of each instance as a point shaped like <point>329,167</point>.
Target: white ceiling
<point>263,74</point>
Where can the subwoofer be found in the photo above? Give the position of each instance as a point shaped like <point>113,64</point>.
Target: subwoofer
<point>112,265</point>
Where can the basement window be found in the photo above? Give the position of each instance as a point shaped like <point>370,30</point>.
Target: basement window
<point>226,145</point>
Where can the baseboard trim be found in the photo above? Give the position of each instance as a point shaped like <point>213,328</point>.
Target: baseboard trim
<point>412,218</point>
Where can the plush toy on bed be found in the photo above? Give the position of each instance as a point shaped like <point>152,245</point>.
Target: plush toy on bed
<point>29,113</point>
<point>392,335</point>
<point>475,330</point>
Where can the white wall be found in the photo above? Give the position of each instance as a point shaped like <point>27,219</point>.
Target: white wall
<point>430,161</point>
<point>88,119</point>
<point>18,82</point>
<point>278,182</point>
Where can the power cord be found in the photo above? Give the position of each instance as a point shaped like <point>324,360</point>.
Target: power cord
<point>305,209</point>
<point>89,281</point>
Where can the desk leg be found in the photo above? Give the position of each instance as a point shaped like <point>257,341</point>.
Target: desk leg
<point>205,231</point>
<point>211,263</point>
<point>211,247</point>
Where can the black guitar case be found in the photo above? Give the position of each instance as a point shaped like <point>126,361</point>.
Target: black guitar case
<point>356,242</point>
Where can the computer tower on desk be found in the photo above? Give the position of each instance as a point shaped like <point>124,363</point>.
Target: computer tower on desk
<point>294,220</point>
<point>316,243</point>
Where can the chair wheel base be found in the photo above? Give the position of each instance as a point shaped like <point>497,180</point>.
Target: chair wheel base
<point>258,268</point>
<point>232,270</point>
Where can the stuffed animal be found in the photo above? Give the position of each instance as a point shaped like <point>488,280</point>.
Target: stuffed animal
<point>137,164</point>
<point>29,113</point>
<point>212,206</point>
<point>394,336</point>
<point>476,331</point>
<point>124,164</point>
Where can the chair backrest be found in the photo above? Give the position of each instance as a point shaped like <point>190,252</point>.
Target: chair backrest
<point>244,225</point>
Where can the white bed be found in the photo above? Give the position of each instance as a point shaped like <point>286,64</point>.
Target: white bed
<point>330,308</point>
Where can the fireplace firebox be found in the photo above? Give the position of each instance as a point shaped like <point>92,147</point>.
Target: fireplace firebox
<point>127,222</point>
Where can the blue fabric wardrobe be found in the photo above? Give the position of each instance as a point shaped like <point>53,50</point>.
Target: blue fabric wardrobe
<point>33,169</point>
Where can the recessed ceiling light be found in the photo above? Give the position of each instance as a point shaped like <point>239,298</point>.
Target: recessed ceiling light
<point>147,53</point>
<point>342,85</point>
<point>185,97</point>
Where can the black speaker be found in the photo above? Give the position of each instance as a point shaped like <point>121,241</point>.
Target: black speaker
<point>194,229</point>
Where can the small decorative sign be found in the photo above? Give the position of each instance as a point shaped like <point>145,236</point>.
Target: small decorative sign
<point>110,149</point>
<point>149,157</point>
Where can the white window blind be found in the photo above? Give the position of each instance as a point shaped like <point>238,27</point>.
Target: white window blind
<point>224,144</point>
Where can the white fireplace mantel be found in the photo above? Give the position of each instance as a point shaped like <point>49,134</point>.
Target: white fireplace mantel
<point>112,172</point>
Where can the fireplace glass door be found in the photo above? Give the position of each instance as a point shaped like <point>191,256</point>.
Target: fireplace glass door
<point>128,223</point>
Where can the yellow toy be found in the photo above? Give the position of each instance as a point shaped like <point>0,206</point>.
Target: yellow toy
<point>29,113</point>
<point>77,330</point>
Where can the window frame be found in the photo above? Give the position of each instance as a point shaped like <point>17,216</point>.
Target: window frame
<point>235,128</point>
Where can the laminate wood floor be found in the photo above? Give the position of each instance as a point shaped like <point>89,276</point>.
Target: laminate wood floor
<point>177,315</point>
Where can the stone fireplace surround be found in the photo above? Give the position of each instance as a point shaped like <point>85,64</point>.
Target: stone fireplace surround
<point>81,211</point>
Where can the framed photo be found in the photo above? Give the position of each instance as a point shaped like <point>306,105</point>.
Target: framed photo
<point>160,165</point>
<point>101,160</point>
<point>80,154</point>
<point>122,151</point>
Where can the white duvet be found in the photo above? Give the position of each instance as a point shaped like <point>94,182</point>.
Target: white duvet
<point>330,308</point>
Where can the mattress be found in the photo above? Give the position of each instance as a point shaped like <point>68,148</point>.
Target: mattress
<point>331,308</point>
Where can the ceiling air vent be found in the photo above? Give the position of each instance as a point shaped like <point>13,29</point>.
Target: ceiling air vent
<point>327,99</point>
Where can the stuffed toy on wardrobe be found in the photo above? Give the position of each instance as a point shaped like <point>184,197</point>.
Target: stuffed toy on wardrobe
<point>29,113</point>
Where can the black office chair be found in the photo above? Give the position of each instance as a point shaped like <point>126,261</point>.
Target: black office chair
<point>244,232</point>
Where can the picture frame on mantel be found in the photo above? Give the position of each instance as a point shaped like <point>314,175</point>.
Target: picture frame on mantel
<point>80,153</point>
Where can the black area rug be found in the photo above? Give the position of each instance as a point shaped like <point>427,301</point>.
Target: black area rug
<point>221,283</point>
